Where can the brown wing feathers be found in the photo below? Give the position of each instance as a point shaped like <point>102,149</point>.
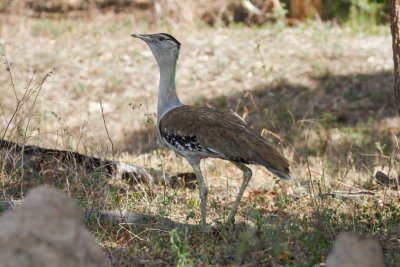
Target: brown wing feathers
<point>221,135</point>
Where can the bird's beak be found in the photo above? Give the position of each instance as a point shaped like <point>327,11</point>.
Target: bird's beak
<point>143,37</point>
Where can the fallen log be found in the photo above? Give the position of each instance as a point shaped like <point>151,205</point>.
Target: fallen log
<point>37,160</point>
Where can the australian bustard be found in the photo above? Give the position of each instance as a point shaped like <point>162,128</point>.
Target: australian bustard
<point>198,132</point>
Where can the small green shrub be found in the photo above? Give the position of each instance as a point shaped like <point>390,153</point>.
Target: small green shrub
<point>181,248</point>
<point>356,12</point>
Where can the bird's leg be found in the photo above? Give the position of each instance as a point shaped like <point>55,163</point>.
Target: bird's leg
<point>246,179</point>
<point>202,191</point>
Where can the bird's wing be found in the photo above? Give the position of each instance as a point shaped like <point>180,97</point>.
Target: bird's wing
<point>223,135</point>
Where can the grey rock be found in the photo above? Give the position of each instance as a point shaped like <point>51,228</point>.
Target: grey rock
<point>46,230</point>
<point>351,250</point>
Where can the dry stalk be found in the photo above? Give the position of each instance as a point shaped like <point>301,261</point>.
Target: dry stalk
<point>310,184</point>
<point>108,134</point>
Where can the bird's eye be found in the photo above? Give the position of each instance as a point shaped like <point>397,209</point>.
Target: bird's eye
<point>161,38</point>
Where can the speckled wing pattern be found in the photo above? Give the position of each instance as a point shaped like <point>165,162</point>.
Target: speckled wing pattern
<point>220,135</point>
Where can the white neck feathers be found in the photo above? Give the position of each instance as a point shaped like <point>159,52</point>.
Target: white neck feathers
<point>167,97</point>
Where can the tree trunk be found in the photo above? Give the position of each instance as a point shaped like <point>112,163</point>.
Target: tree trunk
<point>303,9</point>
<point>394,7</point>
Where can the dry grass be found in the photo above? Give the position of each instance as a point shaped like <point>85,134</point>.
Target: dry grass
<point>188,12</point>
<point>324,92</point>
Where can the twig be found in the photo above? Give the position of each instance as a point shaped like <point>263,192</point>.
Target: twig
<point>350,194</point>
<point>308,167</point>
<point>105,126</point>
<point>19,102</point>
<point>264,66</point>
<point>8,68</point>
<point>38,89</point>
<point>266,131</point>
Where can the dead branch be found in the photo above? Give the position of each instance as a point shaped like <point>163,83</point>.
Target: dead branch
<point>350,194</point>
<point>35,159</point>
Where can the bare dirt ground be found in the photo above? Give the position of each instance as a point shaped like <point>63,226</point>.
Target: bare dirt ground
<point>324,93</point>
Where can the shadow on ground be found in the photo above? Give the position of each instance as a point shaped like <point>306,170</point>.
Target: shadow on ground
<point>353,103</point>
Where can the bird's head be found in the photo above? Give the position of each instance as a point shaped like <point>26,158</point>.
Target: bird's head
<point>164,46</point>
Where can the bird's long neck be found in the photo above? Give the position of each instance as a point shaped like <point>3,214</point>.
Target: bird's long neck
<point>167,97</point>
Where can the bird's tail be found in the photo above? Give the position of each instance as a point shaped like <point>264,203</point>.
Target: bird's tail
<point>265,154</point>
<point>280,174</point>
<point>275,162</point>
